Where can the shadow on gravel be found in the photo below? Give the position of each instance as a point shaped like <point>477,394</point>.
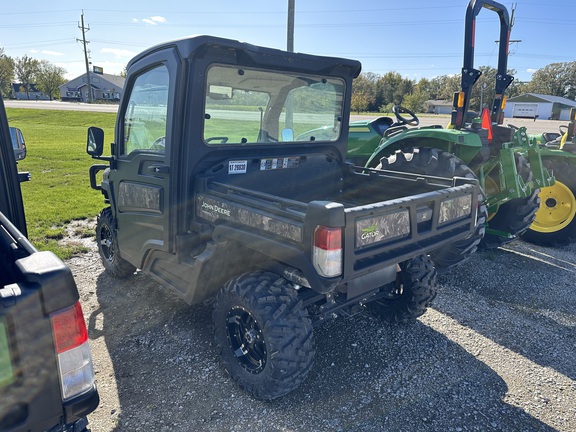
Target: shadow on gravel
<point>368,376</point>
<point>522,297</point>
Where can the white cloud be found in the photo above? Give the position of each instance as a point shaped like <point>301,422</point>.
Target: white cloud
<point>52,53</point>
<point>531,70</point>
<point>118,53</point>
<point>153,20</point>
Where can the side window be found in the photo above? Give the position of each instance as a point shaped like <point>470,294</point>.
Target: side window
<point>145,117</point>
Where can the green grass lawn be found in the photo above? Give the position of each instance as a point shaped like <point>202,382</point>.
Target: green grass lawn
<point>59,191</point>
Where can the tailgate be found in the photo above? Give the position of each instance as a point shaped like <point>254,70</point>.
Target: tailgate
<point>392,231</point>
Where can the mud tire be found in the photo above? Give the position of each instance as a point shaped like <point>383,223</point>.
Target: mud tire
<point>263,334</point>
<point>108,246</point>
<point>411,293</point>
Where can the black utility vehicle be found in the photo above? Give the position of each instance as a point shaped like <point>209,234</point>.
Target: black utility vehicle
<point>214,192</point>
<point>46,374</point>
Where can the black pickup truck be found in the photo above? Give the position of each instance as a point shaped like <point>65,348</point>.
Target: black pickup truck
<point>216,191</point>
<point>46,374</point>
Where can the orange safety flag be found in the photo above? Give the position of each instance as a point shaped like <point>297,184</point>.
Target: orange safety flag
<point>487,123</point>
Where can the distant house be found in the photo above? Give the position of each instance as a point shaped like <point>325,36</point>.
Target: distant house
<point>105,87</point>
<point>19,92</point>
<point>438,106</point>
<point>534,105</point>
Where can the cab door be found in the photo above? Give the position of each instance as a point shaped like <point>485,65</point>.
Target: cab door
<point>141,179</point>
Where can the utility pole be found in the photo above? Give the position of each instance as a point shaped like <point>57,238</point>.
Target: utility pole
<point>290,47</point>
<point>512,41</point>
<point>84,42</point>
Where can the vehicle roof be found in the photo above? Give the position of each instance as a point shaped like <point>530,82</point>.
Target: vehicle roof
<point>191,45</point>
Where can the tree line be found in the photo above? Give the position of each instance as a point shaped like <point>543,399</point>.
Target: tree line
<point>379,93</point>
<point>370,92</point>
<point>27,71</point>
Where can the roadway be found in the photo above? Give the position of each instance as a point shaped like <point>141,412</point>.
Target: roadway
<point>537,126</point>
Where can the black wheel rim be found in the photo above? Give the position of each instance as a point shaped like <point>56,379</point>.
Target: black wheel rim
<point>106,243</point>
<point>246,340</point>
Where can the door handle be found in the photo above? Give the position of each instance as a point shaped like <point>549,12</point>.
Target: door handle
<point>159,169</point>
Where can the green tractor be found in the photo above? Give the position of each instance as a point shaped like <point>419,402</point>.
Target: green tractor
<point>555,223</point>
<point>506,162</point>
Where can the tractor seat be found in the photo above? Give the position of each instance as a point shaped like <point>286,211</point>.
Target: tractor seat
<point>381,124</point>
<point>550,136</point>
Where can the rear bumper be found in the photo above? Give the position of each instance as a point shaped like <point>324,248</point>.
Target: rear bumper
<point>81,406</point>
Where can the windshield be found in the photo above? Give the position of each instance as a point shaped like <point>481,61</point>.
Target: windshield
<point>257,106</point>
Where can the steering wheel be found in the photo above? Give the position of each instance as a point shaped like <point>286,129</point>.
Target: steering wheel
<point>411,121</point>
<point>159,144</point>
<point>222,139</point>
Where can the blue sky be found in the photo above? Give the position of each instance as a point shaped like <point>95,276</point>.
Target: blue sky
<point>418,38</point>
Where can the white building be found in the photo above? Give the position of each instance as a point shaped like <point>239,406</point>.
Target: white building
<point>104,87</point>
<point>438,106</point>
<point>534,105</point>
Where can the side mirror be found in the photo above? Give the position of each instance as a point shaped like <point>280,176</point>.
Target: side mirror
<point>18,143</point>
<point>95,142</point>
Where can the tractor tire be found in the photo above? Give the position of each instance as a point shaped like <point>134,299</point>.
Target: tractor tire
<point>425,160</point>
<point>515,216</point>
<point>555,222</point>
<point>108,246</point>
<point>263,334</point>
<point>410,295</point>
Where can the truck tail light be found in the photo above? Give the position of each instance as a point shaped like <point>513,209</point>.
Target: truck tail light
<point>74,359</point>
<point>327,251</point>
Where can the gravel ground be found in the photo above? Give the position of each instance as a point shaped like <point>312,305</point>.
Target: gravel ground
<point>495,353</point>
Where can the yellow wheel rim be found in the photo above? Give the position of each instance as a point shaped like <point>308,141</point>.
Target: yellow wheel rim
<point>491,188</point>
<point>557,209</point>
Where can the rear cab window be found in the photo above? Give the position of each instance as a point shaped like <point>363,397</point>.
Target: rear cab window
<point>254,106</point>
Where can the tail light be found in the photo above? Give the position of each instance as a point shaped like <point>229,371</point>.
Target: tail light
<point>74,359</point>
<point>327,251</point>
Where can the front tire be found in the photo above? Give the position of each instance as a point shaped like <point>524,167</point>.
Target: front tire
<point>555,221</point>
<point>263,334</point>
<point>515,216</point>
<point>410,295</point>
<point>431,161</point>
<point>108,247</point>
